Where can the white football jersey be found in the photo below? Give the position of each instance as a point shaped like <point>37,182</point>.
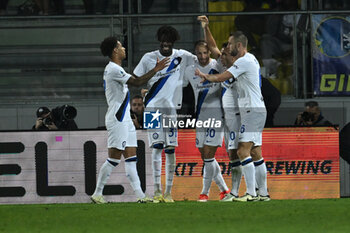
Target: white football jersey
<point>229,89</point>
<point>165,87</point>
<point>207,94</point>
<point>117,93</point>
<point>246,71</point>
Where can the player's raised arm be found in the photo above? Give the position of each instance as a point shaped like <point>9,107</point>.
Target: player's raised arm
<point>138,81</point>
<point>213,77</point>
<point>208,37</point>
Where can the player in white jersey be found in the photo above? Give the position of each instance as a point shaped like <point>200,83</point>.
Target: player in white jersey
<point>164,96</point>
<point>246,71</point>
<point>121,131</point>
<point>230,107</point>
<point>208,106</point>
<point>232,125</point>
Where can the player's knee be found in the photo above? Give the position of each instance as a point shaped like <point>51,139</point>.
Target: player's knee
<point>256,153</point>
<point>242,153</point>
<point>158,146</point>
<point>208,155</point>
<point>233,154</point>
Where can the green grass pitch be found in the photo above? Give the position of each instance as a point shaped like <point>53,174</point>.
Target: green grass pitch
<point>324,215</point>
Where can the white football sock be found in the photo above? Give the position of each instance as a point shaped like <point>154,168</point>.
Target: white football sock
<point>170,165</point>
<point>131,173</point>
<point>219,180</point>
<point>104,173</point>
<point>157,168</point>
<point>248,171</point>
<point>261,177</point>
<point>236,176</point>
<point>209,169</point>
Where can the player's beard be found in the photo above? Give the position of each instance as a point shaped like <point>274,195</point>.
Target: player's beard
<point>204,61</point>
<point>234,52</point>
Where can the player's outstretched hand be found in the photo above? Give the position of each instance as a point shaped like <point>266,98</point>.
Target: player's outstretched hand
<point>161,64</point>
<point>204,20</point>
<point>198,73</point>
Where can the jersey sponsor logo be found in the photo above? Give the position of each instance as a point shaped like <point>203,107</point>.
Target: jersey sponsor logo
<point>157,86</point>
<point>152,119</point>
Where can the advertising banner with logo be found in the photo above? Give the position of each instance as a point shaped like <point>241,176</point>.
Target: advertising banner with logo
<point>302,163</point>
<point>331,60</point>
<point>61,167</point>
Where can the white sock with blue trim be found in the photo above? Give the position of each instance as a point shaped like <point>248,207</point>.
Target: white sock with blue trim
<point>208,173</point>
<point>261,177</point>
<point>157,168</point>
<point>236,176</point>
<point>131,173</point>
<point>104,173</point>
<point>170,165</point>
<point>248,171</point>
<point>219,180</point>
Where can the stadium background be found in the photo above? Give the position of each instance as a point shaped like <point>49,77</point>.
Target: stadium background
<point>55,60</point>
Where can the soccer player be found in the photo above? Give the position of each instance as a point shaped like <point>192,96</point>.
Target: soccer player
<point>164,95</point>
<point>121,131</point>
<point>208,105</point>
<point>230,108</point>
<point>253,114</point>
<point>232,125</point>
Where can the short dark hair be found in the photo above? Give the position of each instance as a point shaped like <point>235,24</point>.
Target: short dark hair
<point>240,37</point>
<point>311,104</point>
<point>168,34</point>
<point>107,46</point>
<point>136,97</point>
<point>201,43</point>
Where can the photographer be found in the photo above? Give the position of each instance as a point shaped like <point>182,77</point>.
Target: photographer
<point>59,118</point>
<point>43,113</point>
<point>136,111</point>
<point>311,116</point>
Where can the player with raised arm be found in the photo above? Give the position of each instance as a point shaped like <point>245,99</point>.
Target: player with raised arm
<point>230,108</point>
<point>246,71</point>
<point>208,105</point>
<point>121,130</point>
<point>164,96</point>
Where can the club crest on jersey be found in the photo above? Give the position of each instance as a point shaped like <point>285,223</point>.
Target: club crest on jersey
<point>155,135</point>
<point>152,119</point>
